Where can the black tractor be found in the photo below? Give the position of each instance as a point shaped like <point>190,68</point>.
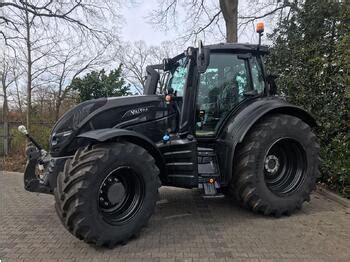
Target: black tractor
<point>209,119</point>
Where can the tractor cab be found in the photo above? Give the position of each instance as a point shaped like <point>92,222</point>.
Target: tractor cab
<point>205,87</point>
<point>216,77</point>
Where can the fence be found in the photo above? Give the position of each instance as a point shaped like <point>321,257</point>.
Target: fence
<point>4,139</point>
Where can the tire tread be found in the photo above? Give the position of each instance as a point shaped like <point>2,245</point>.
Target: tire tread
<point>71,185</point>
<point>243,184</point>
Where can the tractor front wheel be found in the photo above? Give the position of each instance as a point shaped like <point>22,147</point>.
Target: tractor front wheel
<point>277,165</point>
<point>107,192</point>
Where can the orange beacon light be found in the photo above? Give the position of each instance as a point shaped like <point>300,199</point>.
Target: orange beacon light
<point>260,27</point>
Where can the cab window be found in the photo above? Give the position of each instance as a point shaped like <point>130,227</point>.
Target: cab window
<point>178,77</point>
<point>221,88</point>
<point>257,75</point>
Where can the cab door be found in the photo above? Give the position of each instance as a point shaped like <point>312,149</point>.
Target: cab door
<point>180,151</point>
<point>228,81</point>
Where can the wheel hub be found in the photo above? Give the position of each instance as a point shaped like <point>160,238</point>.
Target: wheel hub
<point>116,193</point>
<point>112,193</point>
<point>285,166</point>
<point>272,164</point>
<point>120,195</point>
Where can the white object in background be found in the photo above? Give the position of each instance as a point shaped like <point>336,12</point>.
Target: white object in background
<point>23,130</point>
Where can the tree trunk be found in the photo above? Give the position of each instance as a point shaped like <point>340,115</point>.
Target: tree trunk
<point>229,10</point>
<point>57,108</point>
<point>60,97</point>
<point>29,74</point>
<point>19,100</point>
<point>5,113</point>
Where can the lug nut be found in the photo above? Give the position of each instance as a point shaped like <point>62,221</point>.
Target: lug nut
<point>101,199</point>
<point>106,203</point>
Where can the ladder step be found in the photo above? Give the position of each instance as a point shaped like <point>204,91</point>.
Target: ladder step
<point>210,189</point>
<point>220,195</point>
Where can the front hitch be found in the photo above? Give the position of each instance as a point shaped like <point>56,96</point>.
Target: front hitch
<point>32,181</point>
<point>36,156</point>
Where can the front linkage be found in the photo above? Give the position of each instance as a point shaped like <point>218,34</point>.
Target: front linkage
<point>40,167</point>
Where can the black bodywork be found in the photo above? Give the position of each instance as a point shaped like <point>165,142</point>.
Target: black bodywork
<point>185,160</point>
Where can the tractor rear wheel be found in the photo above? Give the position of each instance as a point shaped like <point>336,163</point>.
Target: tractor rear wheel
<point>107,192</point>
<point>277,165</point>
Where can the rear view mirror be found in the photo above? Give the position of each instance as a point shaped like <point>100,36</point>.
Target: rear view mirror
<point>166,64</point>
<point>202,58</point>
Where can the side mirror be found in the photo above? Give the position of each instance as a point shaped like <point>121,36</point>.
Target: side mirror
<point>166,64</point>
<point>202,57</point>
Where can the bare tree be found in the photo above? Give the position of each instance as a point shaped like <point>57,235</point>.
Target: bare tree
<point>7,77</point>
<point>72,61</point>
<point>203,19</point>
<point>18,96</point>
<point>198,18</point>
<point>33,30</point>
<point>135,57</point>
<point>166,49</point>
<point>4,85</point>
<point>31,47</point>
<point>270,10</point>
<point>82,15</point>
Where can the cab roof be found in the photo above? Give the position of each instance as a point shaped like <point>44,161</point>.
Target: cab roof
<point>239,47</point>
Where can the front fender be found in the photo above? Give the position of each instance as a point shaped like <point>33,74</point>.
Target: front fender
<point>240,123</point>
<point>105,134</point>
<point>108,134</point>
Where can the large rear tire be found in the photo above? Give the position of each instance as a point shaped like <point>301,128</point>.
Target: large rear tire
<point>276,166</point>
<point>107,192</point>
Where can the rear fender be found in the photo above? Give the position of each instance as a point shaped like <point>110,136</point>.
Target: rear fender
<point>240,124</point>
<point>112,134</point>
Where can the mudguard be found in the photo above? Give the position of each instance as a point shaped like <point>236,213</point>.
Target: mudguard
<point>103,135</point>
<point>242,121</point>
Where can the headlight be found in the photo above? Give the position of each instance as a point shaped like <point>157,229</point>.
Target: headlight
<point>57,138</point>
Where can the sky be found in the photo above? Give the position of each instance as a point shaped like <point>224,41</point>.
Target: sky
<point>136,26</point>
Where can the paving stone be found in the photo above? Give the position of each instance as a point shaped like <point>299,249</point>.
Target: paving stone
<point>185,227</point>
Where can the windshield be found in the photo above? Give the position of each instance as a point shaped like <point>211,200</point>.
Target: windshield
<point>174,78</point>
<point>178,77</point>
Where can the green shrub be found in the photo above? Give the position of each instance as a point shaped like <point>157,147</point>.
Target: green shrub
<point>311,55</point>
<point>336,164</point>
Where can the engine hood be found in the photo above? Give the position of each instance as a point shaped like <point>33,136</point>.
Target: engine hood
<point>115,112</point>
